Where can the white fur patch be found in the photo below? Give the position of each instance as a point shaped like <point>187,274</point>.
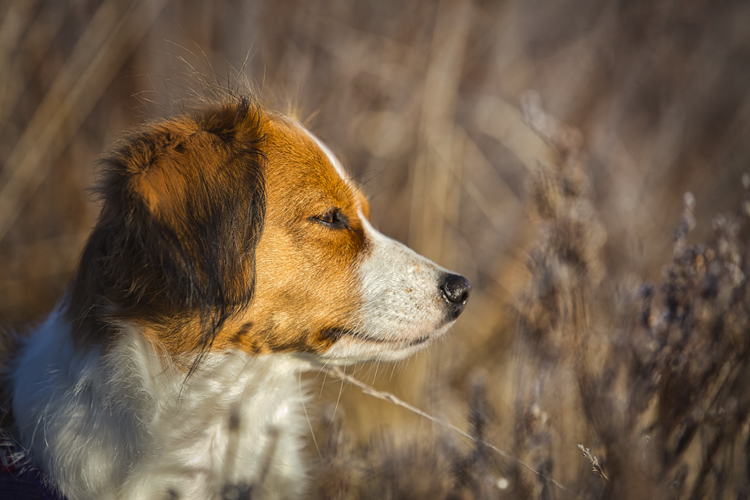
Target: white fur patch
<point>403,309</point>
<point>127,425</point>
<point>332,158</point>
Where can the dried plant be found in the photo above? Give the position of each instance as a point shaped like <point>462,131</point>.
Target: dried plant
<point>590,321</point>
<point>656,380</point>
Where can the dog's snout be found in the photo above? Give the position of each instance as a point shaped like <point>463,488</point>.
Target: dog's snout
<point>456,290</point>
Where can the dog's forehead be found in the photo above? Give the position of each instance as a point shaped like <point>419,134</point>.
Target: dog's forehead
<point>293,144</point>
<point>300,160</point>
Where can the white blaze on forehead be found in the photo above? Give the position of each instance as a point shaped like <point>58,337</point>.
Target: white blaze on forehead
<point>329,154</point>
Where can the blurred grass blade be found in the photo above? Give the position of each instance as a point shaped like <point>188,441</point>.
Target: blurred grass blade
<point>110,37</point>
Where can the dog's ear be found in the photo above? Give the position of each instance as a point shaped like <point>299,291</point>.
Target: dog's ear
<point>183,209</point>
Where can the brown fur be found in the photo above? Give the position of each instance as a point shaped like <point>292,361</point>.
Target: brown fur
<point>301,264</point>
<point>210,211</point>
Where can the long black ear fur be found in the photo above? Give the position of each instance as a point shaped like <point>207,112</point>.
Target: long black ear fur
<point>183,210</point>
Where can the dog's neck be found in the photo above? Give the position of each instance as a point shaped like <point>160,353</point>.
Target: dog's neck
<point>127,424</point>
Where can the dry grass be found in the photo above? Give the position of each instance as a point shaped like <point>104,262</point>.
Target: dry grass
<point>591,323</point>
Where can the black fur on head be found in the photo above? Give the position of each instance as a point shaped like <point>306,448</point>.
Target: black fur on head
<point>182,214</point>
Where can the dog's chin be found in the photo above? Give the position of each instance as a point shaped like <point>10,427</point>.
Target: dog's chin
<point>353,347</point>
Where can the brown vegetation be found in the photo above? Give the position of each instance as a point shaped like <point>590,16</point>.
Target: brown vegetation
<point>610,309</point>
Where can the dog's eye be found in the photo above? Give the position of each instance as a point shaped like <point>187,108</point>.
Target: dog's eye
<point>333,218</point>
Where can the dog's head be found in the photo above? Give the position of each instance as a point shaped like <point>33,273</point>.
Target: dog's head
<point>235,228</point>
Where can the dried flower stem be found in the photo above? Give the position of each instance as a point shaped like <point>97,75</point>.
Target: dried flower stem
<point>596,466</point>
<point>335,371</point>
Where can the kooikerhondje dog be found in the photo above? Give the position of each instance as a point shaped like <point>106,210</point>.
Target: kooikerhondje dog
<point>231,253</point>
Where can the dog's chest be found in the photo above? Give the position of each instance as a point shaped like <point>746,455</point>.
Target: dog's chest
<point>133,427</point>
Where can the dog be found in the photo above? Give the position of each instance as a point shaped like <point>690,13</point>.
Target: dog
<point>231,254</point>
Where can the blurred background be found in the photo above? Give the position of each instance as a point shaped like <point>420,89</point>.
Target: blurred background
<point>423,102</point>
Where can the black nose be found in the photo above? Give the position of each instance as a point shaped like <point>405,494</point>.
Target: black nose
<point>456,290</point>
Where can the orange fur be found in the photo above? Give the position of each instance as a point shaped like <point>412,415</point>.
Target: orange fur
<point>300,265</point>
<point>304,282</point>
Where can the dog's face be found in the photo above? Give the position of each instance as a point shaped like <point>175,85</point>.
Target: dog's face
<point>326,281</point>
<point>257,220</point>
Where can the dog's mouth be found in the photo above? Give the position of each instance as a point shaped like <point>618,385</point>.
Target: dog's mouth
<point>337,333</point>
